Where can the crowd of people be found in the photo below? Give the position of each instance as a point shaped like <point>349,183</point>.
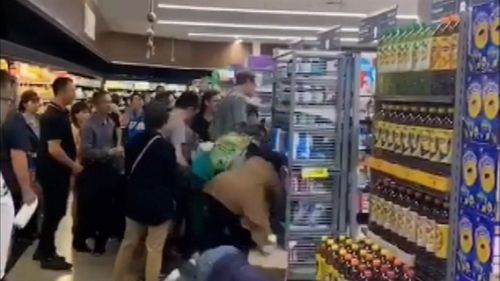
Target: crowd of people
<point>131,177</point>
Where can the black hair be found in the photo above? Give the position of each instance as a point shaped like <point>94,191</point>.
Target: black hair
<point>207,96</point>
<point>188,99</point>
<point>26,97</point>
<point>136,94</point>
<point>115,98</point>
<point>77,108</point>
<point>266,153</point>
<point>155,115</point>
<point>244,77</point>
<point>164,96</point>
<point>60,84</point>
<point>98,95</point>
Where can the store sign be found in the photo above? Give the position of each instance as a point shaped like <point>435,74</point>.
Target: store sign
<point>375,25</point>
<point>329,40</point>
<point>443,8</point>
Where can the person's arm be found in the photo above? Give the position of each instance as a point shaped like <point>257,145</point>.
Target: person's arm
<point>20,146</point>
<point>178,138</point>
<point>89,150</point>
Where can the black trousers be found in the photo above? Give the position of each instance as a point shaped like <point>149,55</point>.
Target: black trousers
<point>55,187</point>
<point>221,227</point>
<point>97,204</point>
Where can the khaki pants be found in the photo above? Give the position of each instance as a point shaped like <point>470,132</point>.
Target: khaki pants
<point>135,234</point>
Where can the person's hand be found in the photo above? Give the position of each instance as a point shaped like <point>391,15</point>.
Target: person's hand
<point>29,196</point>
<point>76,169</point>
<point>117,151</point>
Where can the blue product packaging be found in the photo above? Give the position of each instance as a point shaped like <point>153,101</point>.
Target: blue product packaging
<point>484,46</point>
<point>484,237</point>
<point>479,181</point>
<point>465,251</point>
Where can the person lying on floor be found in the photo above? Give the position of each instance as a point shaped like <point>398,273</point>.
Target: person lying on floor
<point>238,202</point>
<point>226,263</point>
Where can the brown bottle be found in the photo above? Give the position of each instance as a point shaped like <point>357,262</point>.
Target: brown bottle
<point>398,269</point>
<point>418,206</point>
<point>376,269</point>
<point>430,210</point>
<point>393,211</point>
<point>414,204</point>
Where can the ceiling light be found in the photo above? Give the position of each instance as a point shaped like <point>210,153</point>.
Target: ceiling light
<point>260,11</point>
<point>253,26</point>
<point>239,25</point>
<point>273,12</point>
<point>349,39</point>
<point>251,36</point>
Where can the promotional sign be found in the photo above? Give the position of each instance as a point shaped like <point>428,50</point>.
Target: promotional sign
<point>329,40</point>
<point>374,25</point>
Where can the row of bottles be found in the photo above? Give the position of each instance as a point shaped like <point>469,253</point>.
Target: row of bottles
<point>415,222</point>
<point>343,259</point>
<point>419,137</point>
<point>420,47</point>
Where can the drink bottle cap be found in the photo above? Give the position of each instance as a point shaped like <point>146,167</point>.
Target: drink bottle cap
<point>362,267</point>
<point>368,241</point>
<point>335,247</point>
<point>348,257</point>
<point>385,268</point>
<point>398,262</point>
<point>368,273</point>
<point>377,262</point>
<point>354,262</point>
<point>342,237</point>
<point>391,274</point>
<point>384,252</point>
<point>369,257</point>
<point>343,252</point>
<point>375,247</point>
<point>324,238</point>
<point>330,242</point>
<point>348,241</point>
<point>363,253</point>
<point>390,258</point>
<point>355,247</point>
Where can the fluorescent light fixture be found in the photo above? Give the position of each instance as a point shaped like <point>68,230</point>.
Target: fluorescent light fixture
<point>250,36</point>
<point>253,26</point>
<point>239,25</point>
<point>238,41</point>
<point>349,39</point>
<point>272,12</point>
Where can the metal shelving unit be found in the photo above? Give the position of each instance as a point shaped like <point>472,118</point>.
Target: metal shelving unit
<point>312,105</point>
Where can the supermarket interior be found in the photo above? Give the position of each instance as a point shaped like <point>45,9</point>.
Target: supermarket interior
<point>384,115</point>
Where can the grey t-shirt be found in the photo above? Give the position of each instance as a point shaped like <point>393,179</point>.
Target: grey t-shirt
<point>231,112</point>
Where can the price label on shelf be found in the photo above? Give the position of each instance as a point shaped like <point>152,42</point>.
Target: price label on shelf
<point>314,173</point>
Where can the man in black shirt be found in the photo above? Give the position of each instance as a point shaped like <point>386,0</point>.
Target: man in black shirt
<point>56,164</point>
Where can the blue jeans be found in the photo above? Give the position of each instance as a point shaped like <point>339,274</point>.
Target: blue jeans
<point>208,259</point>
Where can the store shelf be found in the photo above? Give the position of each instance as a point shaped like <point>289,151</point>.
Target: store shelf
<point>311,197</point>
<point>433,182</point>
<point>408,259</point>
<point>417,99</point>
<point>310,80</point>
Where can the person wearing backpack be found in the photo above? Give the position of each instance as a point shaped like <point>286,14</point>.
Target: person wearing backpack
<point>152,175</point>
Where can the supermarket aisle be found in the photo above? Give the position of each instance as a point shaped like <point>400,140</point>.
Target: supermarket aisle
<point>86,267</point>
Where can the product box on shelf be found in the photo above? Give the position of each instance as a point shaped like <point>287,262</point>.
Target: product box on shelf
<point>478,189</point>
<point>482,123</point>
<point>484,46</point>
<point>476,246</point>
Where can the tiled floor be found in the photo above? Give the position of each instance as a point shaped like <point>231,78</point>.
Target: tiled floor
<point>90,268</point>
<point>86,267</point>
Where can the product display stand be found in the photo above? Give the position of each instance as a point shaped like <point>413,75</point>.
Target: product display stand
<point>474,211</point>
<point>312,104</point>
